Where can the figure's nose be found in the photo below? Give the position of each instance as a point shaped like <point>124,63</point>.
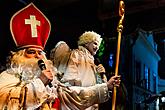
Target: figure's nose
<point>37,55</point>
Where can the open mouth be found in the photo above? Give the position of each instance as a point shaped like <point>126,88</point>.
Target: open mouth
<point>94,49</point>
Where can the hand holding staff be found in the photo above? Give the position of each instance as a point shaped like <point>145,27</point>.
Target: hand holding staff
<point>119,29</point>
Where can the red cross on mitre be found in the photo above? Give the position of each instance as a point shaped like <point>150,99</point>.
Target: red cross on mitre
<point>30,27</point>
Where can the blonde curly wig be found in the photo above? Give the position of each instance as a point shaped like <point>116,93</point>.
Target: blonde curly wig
<point>89,36</point>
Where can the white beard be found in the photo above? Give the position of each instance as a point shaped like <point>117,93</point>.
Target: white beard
<point>26,69</point>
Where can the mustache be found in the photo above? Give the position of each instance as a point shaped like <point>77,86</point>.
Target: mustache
<point>21,60</point>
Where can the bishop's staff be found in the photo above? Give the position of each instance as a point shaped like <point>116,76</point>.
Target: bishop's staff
<point>119,30</point>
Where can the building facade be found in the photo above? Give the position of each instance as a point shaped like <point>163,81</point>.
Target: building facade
<point>141,69</point>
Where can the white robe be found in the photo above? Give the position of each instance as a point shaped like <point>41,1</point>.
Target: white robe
<point>16,94</point>
<point>81,70</point>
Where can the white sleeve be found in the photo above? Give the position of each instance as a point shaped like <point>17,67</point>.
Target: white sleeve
<point>99,91</point>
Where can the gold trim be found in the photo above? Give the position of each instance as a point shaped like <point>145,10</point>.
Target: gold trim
<point>26,46</point>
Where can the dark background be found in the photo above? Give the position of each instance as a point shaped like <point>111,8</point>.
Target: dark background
<point>70,18</point>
